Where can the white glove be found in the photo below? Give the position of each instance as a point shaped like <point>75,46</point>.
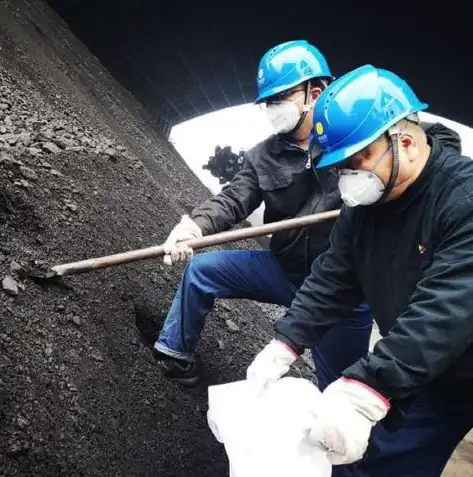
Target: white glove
<point>270,364</point>
<point>186,229</point>
<point>346,413</point>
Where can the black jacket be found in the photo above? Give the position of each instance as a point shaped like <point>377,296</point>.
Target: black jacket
<point>278,174</point>
<point>412,259</point>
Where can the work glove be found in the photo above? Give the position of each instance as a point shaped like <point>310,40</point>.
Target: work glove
<point>345,415</point>
<point>270,364</point>
<point>186,229</point>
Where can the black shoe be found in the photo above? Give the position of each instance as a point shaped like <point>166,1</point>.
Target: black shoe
<point>177,370</point>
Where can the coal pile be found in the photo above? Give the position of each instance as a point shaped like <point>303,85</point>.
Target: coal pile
<point>82,174</point>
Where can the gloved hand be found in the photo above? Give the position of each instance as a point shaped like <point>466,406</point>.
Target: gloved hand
<point>270,364</point>
<point>186,229</point>
<point>347,412</point>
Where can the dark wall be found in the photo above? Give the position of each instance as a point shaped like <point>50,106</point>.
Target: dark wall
<point>184,59</point>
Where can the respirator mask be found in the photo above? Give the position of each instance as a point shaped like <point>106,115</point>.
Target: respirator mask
<point>359,187</point>
<point>284,115</point>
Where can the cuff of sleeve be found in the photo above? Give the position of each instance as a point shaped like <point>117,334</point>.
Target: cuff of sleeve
<point>296,350</point>
<point>203,224</point>
<point>359,373</point>
<point>373,391</point>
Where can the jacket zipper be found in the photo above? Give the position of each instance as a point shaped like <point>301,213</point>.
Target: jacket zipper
<point>308,164</point>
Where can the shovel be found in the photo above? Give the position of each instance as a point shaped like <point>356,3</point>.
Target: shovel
<point>206,241</point>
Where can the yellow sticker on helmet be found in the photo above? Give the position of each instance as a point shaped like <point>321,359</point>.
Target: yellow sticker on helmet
<point>319,128</point>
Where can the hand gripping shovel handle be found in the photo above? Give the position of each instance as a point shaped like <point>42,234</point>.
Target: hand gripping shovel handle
<point>206,241</point>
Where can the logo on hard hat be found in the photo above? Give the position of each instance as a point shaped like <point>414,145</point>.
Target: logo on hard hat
<point>319,128</point>
<point>260,76</point>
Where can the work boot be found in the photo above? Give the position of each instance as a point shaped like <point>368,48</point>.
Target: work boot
<point>177,370</point>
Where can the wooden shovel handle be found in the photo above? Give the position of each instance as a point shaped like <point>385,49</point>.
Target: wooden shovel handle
<point>206,241</point>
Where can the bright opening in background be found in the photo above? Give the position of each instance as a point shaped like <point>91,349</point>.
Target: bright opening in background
<point>240,127</point>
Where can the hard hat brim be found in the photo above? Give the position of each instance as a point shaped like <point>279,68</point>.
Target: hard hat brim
<point>340,155</point>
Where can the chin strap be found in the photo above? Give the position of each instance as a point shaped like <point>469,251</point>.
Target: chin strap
<point>394,133</point>
<point>394,138</point>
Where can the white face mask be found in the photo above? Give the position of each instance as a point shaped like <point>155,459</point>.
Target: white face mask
<point>360,187</point>
<point>283,116</point>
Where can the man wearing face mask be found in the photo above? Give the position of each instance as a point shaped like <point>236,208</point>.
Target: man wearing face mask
<point>404,241</point>
<point>290,78</point>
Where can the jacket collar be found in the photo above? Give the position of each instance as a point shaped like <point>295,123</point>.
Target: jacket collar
<point>281,143</point>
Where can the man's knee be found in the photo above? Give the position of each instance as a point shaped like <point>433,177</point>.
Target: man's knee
<point>203,265</point>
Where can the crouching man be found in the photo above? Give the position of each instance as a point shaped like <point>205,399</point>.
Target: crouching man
<point>404,241</point>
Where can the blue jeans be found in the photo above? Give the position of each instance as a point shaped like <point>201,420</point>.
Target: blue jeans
<point>254,275</point>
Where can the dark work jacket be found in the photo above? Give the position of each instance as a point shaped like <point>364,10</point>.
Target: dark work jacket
<point>278,174</point>
<point>412,260</point>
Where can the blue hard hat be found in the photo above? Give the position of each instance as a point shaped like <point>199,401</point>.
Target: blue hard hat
<point>287,65</point>
<point>356,109</point>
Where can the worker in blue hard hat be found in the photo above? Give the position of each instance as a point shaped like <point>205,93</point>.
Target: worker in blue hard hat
<point>290,78</point>
<point>404,242</point>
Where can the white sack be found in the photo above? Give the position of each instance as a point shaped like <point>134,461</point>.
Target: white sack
<point>267,436</point>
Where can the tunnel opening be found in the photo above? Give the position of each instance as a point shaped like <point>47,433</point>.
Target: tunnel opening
<point>183,62</point>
